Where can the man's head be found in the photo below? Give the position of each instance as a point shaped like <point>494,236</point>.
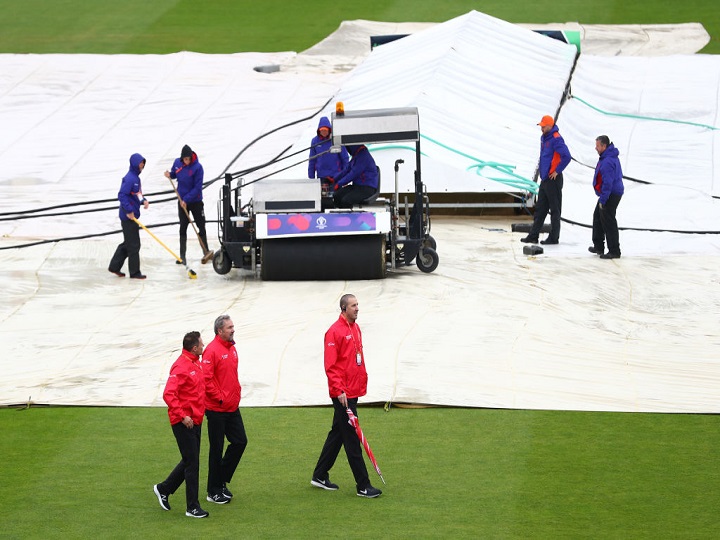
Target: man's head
<point>546,124</point>
<point>193,343</point>
<point>601,143</point>
<point>324,132</point>
<point>349,307</point>
<point>186,154</point>
<point>224,328</point>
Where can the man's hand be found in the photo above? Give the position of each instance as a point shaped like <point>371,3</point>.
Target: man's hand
<point>342,398</point>
<point>183,204</point>
<point>553,175</point>
<point>167,174</point>
<point>600,206</point>
<point>187,422</point>
<point>130,216</point>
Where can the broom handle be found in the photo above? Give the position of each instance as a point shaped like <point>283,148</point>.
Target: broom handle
<point>202,244</point>
<point>158,240</point>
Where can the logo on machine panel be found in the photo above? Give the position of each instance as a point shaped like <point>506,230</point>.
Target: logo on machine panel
<point>321,223</point>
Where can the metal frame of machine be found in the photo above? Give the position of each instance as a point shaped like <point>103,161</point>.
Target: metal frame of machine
<point>284,231</point>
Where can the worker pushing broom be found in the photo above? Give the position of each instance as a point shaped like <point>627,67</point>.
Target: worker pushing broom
<point>131,200</point>
<point>189,174</point>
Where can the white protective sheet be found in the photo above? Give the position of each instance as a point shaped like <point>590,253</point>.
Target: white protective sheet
<point>490,328</point>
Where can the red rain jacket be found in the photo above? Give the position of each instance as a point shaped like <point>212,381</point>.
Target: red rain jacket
<point>343,342</point>
<point>220,365</point>
<point>185,389</point>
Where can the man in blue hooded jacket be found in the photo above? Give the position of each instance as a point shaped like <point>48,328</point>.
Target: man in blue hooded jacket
<point>322,163</point>
<point>554,157</point>
<point>609,187</point>
<point>131,198</point>
<point>358,180</point>
<point>189,174</point>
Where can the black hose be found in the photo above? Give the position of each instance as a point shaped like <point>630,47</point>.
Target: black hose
<point>39,212</point>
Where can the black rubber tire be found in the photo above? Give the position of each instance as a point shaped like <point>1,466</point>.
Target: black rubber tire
<point>427,260</point>
<point>221,262</point>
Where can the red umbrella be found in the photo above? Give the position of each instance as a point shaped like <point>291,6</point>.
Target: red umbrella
<point>353,421</point>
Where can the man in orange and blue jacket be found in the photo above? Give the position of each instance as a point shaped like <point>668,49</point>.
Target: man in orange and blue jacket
<point>554,157</point>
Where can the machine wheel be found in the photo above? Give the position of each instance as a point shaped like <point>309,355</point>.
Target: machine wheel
<point>427,260</point>
<point>430,242</point>
<point>221,262</point>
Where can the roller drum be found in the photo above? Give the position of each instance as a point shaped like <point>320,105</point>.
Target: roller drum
<point>323,258</point>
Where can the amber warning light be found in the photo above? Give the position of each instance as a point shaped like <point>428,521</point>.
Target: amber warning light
<point>339,108</point>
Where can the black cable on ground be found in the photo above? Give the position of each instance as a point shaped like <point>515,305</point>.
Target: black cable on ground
<point>640,229</point>
<point>37,212</point>
<point>85,236</point>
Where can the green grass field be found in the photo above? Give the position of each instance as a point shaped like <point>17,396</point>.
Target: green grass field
<point>452,473</point>
<point>226,26</point>
<point>88,472</point>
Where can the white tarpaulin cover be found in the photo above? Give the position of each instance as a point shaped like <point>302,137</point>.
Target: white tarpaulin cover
<point>489,328</point>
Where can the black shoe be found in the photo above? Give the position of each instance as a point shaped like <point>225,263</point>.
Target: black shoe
<point>118,273</point>
<point>218,498</point>
<point>369,492</point>
<point>196,512</point>
<point>225,491</point>
<point>138,276</point>
<point>182,261</point>
<point>529,239</point>
<point>548,242</point>
<point>596,251</point>
<point>609,255</point>
<point>324,484</point>
<point>162,498</point>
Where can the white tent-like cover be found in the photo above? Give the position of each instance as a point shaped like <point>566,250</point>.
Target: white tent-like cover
<point>489,328</point>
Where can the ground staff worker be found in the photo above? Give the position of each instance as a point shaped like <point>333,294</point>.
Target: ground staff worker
<point>347,381</point>
<point>322,163</point>
<point>222,399</point>
<point>131,199</point>
<point>554,157</point>
<point>185,397</point>
<point>189,174</point>
<point>609,187</point>
<point>358,180</point>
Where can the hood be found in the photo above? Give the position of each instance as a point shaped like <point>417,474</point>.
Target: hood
<point>135,161</point>
<point>324,122</point>
<point>610,151</point>
<point>353,148</point>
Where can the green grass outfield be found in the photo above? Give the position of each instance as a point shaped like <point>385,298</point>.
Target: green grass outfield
<point>226,26</point>
<point>451,473</point>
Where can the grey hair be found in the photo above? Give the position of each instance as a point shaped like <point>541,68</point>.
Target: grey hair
<point>220,322</point>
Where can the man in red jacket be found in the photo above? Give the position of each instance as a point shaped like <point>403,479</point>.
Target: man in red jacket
<point>222,399</point>
<point>185,397</point>
<point>347,381</point>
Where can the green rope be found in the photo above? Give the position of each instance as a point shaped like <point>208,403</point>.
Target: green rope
<point>515,181</point>
<point>650,118</point>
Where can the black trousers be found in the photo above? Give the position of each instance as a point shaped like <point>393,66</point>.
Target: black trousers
<point>605,226</point>
<point>349,195</point>
<point>197,209</point>
<point>549,200</point>
<point>222,467</point>
<point>188,470</point>
<point>343,434</point>
<point>129,249</point>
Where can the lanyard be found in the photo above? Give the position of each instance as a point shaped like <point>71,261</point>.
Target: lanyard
<point>358,350</point>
